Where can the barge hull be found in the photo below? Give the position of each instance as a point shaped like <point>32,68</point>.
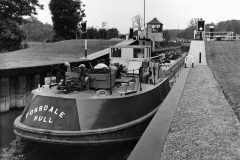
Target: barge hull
<point>120,134</point>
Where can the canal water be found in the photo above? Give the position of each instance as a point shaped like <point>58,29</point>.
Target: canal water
<point>13,148</point>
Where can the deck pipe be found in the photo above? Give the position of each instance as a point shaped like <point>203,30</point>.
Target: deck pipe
<point>110,74</point>
<point>200,57</point>
<point>154,74</point>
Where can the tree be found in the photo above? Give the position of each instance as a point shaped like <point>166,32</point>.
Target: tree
<point>66,15</point>
<point>166,35</point>
<point>11,17</point>
<point>228,26</point>
<point>135,33</point>
<point>93,33</point>
<point>36,30</point>
<point>188,32</point>
<point>103,33</point>
<point>11,35</point>
<point>15,9</point>
<point>112,33</point>
<point>137,22</point>
<point>193,22</point>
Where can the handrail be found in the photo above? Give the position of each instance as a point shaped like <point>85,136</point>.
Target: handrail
<point>176,67</point>
<point>169,73</point>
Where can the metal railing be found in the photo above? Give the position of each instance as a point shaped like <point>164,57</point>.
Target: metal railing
<point>176,67</point>
<point>231,36</point>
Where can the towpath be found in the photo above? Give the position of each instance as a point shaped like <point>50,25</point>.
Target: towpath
<point>204,125</point>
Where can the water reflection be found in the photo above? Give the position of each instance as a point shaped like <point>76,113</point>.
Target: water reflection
<point>6,127</point>
<point>22,149</point>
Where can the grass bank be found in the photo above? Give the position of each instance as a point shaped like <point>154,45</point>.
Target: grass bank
<point>51,53</point>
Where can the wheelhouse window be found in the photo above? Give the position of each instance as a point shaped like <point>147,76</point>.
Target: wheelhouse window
<point>156,28</point>
<point>116,52</point>
<point>138,52</point>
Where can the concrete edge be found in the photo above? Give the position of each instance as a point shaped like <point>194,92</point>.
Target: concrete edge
<point>151,144</point>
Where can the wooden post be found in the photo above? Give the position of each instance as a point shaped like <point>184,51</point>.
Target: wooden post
<point>21,92</point>
<point>29,84</point>
<point>13,87</point>
<point>37,80</point>
<point>4,94</point>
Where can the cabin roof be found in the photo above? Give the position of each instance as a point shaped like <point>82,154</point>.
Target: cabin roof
<point>125,43</point>
<point>130,46</point>
<point>154,21</point>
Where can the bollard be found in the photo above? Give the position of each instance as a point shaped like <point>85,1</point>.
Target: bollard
<point>85,53</point>
<point>85,48</point>
<point>200,57</point>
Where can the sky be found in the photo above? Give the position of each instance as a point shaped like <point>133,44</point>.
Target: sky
<point>173,14</point>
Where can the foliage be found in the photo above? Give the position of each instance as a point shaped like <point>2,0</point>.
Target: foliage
<point>228,26</point>
<point>11,13</point>
<point>137,22</point>
<point>36,30</point>
<point>193,22</point>
<point>16,9</point>
<point>188,32</point>
<point>135,33</point>
<point>225,26</point>
<point>122,36</point>
<point>11,35</point>
<point>93,33</point>
<point>174,33</point>
<point>103,33</point>
<point>66,16</point>
<point>166,35</point>
<point>112,33</point>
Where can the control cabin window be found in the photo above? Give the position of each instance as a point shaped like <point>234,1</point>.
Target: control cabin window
<point>138,53</point>
<point>156,28</point>
<point>116,52</point>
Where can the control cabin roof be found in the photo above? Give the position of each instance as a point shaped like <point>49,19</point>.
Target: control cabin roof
<point>154,21</point>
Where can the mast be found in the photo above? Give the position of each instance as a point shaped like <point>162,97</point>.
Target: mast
<point>144,20</point>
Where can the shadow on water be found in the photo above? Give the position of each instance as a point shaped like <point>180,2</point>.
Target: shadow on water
<point>26,150</point>
<point>6,126</point>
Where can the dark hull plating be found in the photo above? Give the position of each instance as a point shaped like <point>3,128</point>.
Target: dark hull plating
<point>92,121</point>
<point>131,132</point>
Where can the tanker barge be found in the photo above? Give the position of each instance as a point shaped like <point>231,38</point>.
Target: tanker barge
<point>101,104</point>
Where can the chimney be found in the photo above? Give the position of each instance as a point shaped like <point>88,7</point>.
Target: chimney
<point>131,33</point>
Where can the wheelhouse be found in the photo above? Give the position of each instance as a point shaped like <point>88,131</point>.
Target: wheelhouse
<point>130,56</point>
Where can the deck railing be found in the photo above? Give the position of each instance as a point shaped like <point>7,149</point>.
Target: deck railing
<point>172,70</point>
